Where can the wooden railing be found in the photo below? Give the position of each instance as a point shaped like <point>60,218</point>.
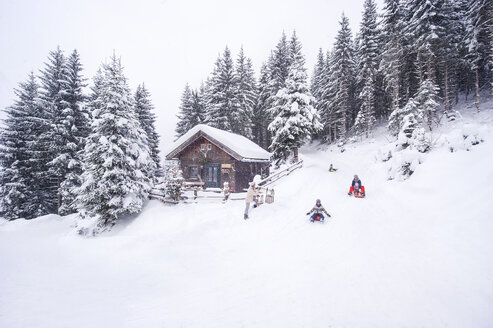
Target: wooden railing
<point>280,174</point>
<point>219,195</point>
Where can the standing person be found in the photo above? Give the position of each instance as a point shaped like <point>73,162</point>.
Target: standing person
<point>251,196</point>
<point>318,209</point>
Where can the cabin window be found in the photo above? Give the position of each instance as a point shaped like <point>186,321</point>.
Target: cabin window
<point>194,172</point>
<point>209,146</point>
<point>202,147</point>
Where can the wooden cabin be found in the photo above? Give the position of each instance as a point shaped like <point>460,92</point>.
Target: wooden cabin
<point>210,157</point>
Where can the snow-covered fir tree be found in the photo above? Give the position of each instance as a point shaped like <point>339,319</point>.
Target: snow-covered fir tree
<point>317,82</point>
<point>247,94</point>
<point>368,64</point>
<point>80,130</point>
<point>479,44</point>
<point>174,182</point>
<point>340,89</point>
<point>199,111</point>
<point>427,100</point>
<point>295,118</point>
<point>278,63</point>
<point>184,117</point>
<point>117,161</point>
<point>62,99</point>
<point>451,53</point>
<point>22,150</point>
<point>261,117</point>
<point>392,60</point>
<point>145,114</point>
<point>425,28</point>
<point>223,104</point>
<point>54,86</point>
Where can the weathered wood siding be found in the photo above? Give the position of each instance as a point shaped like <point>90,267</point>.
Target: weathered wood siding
<point>245,172</point>
<point>237,174</point>
<point>193,155</point>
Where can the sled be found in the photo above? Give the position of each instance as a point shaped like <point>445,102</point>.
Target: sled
<point>317,218</point>
<point>359,196</point>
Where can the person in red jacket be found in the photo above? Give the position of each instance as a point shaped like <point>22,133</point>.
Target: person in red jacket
<point>356,190</point>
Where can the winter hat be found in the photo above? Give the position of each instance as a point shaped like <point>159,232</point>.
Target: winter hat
<point>318,201</point>
<point>356,176</point>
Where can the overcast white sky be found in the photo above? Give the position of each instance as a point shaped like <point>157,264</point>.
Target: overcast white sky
<point>164,43</point>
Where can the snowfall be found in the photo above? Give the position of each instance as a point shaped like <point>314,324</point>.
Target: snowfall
<point>415,252</point>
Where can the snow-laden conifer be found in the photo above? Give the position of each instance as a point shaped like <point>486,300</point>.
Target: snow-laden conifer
<point>261,116</point>
<point>295,117</point>
<point>117,161</point>
<point>184,117</point>
<point>223,104</point>
<point>340,89</point>
<point>79,130</point>
<point>145,114</point>
<point>247,95</point>
<point>368,64</point>
<point>22,151</point>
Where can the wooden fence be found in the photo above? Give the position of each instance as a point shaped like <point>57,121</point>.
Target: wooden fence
<point>195,194</point>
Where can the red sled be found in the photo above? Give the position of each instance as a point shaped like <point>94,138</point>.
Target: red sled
<point>317,218</point>
<point>357,194</point>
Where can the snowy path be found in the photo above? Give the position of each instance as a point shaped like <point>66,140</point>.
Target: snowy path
<point>406,256</point>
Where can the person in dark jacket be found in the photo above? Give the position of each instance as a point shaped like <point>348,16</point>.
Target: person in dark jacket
<point>332,169</point>
<point>318,209</point>
<point>356,180</point>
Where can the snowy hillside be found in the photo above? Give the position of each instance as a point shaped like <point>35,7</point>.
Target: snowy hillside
<point>414,253</point>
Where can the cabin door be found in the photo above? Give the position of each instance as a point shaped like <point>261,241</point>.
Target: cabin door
<point>212,175</point>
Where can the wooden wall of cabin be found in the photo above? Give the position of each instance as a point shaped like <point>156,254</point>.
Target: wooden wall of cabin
<point>195,155</point>
<point>246,171</point>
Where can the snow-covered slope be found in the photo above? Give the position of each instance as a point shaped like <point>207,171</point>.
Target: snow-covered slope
<point>414,253</point>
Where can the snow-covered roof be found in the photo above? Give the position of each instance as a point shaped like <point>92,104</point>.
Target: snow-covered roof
<point>236,145</point>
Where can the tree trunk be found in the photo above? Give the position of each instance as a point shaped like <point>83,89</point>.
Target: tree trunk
<point>420,68</point>
<point>447,95</point>
<point>477,89</point>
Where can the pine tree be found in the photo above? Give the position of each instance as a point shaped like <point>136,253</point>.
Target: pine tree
<point>325,94</point>
<point>223,105</point>
<point>247,94</point>
<point>198,109</point>
<point>278,67</point>
<point>479,42</point>
<point>147,119</point>
<point>342,100</point>
<point>54,95</point>
<point>295,117</point>
<point>450,54</point>
<point>185,114</point>
<point>427,100</point>
<point>278,63</point>
<point>21,192</point>
<point>79,132</point>
<point>367,78</point>
<point>117,162</point>
<point>396,118</point>
<point>317,82</point>
<point>61,93</point>
<point>261,117</point>
<point>426,29</point>
<point>392,63</point>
